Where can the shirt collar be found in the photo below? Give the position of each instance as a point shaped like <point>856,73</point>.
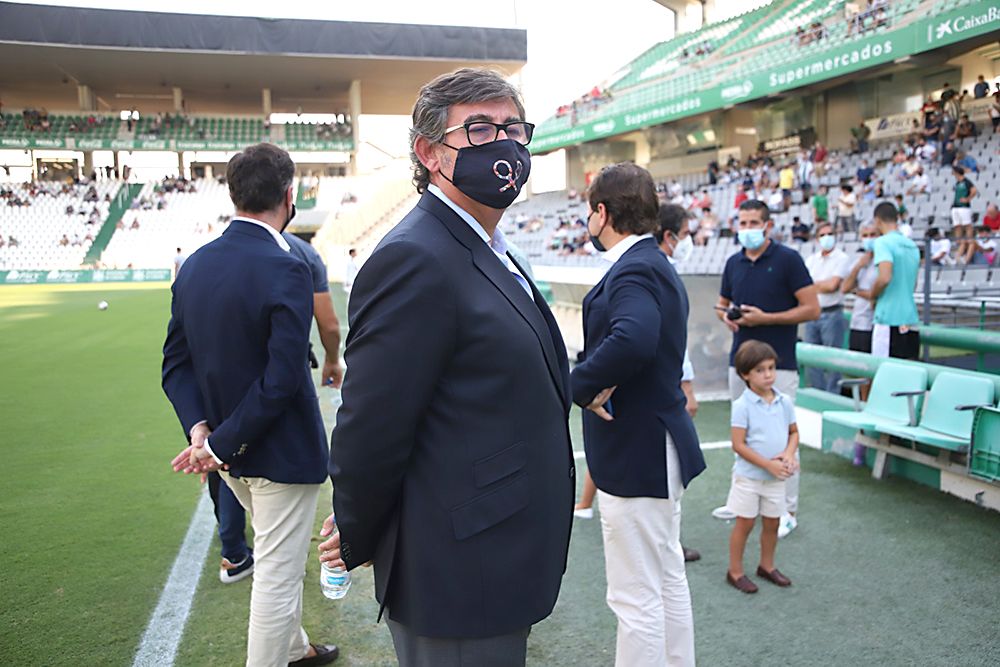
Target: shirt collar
<point>757,398</point>
<point>498,243</point>
<point>622,247</point>
<point>282,243</point>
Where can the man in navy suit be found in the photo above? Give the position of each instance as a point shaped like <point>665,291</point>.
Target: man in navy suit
<point>234,368</point>
<point>451,459</point>
<point>642,448</point>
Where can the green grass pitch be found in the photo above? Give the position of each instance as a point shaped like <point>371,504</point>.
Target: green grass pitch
<point>886,573</point>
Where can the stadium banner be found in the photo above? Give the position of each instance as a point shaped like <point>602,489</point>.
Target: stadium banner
<point>901,124</point>
<point>81,144</point>
<point>847,58</point>
<point>72,276</point>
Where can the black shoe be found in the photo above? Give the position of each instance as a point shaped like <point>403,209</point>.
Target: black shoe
<point>690,555</point>
<point>325,654</point>
<point>232,572</point>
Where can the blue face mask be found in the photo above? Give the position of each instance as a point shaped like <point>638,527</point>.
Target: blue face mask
<point>868,244</point>
<point>826,242</point>
<point>751,239</point>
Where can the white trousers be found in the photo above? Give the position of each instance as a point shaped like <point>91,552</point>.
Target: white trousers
<point>787,382</point>
<point>282,516</point>
<point>647,584</point>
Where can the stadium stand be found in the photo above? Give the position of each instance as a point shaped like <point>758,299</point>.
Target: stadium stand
<point>51,225</point>
<point>38,123</point>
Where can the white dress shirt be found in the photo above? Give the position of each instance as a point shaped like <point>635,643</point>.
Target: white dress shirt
<point>498,244</point>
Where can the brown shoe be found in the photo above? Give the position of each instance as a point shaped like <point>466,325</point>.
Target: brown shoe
<point>743,584</point>
<point>690,555</point>
<point>775,577</point>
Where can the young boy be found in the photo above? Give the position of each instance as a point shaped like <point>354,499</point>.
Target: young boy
<point>765,439</point>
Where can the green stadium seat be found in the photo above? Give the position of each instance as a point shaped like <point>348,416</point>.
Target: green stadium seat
<point>984,458</point>
<point>947,417</point>
<point>887,403</point>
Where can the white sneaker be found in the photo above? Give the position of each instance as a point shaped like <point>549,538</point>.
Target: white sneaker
<point>585,513</point>
<point>788,524</point>
<point>232,572</point>
<point>724,513</point>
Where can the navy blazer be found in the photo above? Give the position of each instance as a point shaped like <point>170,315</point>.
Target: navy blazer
<point>635,334</point>
<point>236,352</point>
<point>451,458</point>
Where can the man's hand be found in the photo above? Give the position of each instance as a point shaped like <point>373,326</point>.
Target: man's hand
<point>732,325</point>
<point>329,551</point>
<point>865,259</point>
<point>333,373</point>
<point>597,405</point>
<point>753,316</point>
<point>195,460</point>
<point>692,402</point>
<point>199,434</point>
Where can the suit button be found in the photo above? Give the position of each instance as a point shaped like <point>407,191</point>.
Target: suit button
<point>345,551</point>
<point>242,450</point>
<point>572,472</point>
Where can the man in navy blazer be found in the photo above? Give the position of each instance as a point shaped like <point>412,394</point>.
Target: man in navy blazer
<point>451,459</point>
<point>235,370</point>
<point>642,448</point>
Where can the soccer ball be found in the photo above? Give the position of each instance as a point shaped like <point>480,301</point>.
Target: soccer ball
<point>103,305</point>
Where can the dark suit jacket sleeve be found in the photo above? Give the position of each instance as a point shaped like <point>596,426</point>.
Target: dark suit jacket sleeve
<point>633,334</point>
<point>179,381</point>
<point>403,324</point>
<point>290,304</point>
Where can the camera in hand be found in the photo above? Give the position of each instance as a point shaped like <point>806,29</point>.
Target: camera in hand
<point>733,312</point>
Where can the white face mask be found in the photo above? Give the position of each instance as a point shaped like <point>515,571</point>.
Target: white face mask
<point>683,249</point>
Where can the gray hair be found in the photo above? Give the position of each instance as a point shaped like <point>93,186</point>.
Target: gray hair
<point>430,112</point>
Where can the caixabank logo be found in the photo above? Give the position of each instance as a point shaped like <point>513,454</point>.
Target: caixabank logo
<point>951,29</point>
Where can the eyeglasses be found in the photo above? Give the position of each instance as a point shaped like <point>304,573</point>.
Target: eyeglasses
<point>481,132</point>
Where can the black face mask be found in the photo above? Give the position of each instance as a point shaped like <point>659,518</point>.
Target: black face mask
<point>491,174</point>
<point>598,246</point>
<point>291,214</point>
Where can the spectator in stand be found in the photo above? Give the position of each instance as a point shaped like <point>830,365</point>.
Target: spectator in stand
<point>819,156</point>
<point>898,261</point>
<point>966,162</point>
<point>948,153</point>
<point>961,212</point>
<point>820,205</point>
<point>966,128</point>
<point>806,173</point>
<point>948,126</point>
<point>940,248</point>
<point>995,111</point>
<point>800,230</point>
<point>864,173</point>
<point>982,249</point>
<point>859,137</point>
<point>845,208</point>
<point>786,181</point>
<point>904,213</point>
<point>926,150</point>
<point>827,267</point>
<point>948,94</point>
<point>992,217</point>
<point>932,128</point>
<point>982,89</point>
<point>920,183</point>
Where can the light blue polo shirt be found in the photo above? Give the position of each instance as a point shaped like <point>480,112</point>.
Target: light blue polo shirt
<point>767,429</point>
<point>895,305</point>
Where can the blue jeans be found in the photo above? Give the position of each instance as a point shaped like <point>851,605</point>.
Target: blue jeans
<point>827,330</point>
<point>232,519</point>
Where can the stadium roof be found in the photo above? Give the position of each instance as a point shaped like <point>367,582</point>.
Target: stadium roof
<point>147,52</point>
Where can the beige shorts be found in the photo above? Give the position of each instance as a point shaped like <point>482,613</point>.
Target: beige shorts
<point>749,498</point>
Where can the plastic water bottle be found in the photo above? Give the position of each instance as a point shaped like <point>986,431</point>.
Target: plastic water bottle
<point>334,581</point>
<point>335,400</point>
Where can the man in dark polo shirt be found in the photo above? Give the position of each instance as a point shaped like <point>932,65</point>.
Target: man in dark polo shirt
<point>770,285</point>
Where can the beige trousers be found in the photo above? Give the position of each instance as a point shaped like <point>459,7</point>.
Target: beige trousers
<point>282,516</point>
<point>647,582</point>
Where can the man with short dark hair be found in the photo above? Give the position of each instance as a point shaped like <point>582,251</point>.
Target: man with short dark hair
<point>234,368</point>
<point>828,267</point>
<point>635,335</point>
<point>451,459</point>
<point>961,210</point>
<point>982,89</point>
<point>898,261</point>
<point>766,293</point>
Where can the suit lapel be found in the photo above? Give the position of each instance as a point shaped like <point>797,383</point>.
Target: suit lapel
<point>496,273</point>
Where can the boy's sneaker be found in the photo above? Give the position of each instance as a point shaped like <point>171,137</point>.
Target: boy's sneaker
<point>584,513</point>
<point>724,513</point>
<point>787,524</point>
<point>232,572</point>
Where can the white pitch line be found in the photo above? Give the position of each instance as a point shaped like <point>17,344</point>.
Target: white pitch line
<point>158,647</point>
